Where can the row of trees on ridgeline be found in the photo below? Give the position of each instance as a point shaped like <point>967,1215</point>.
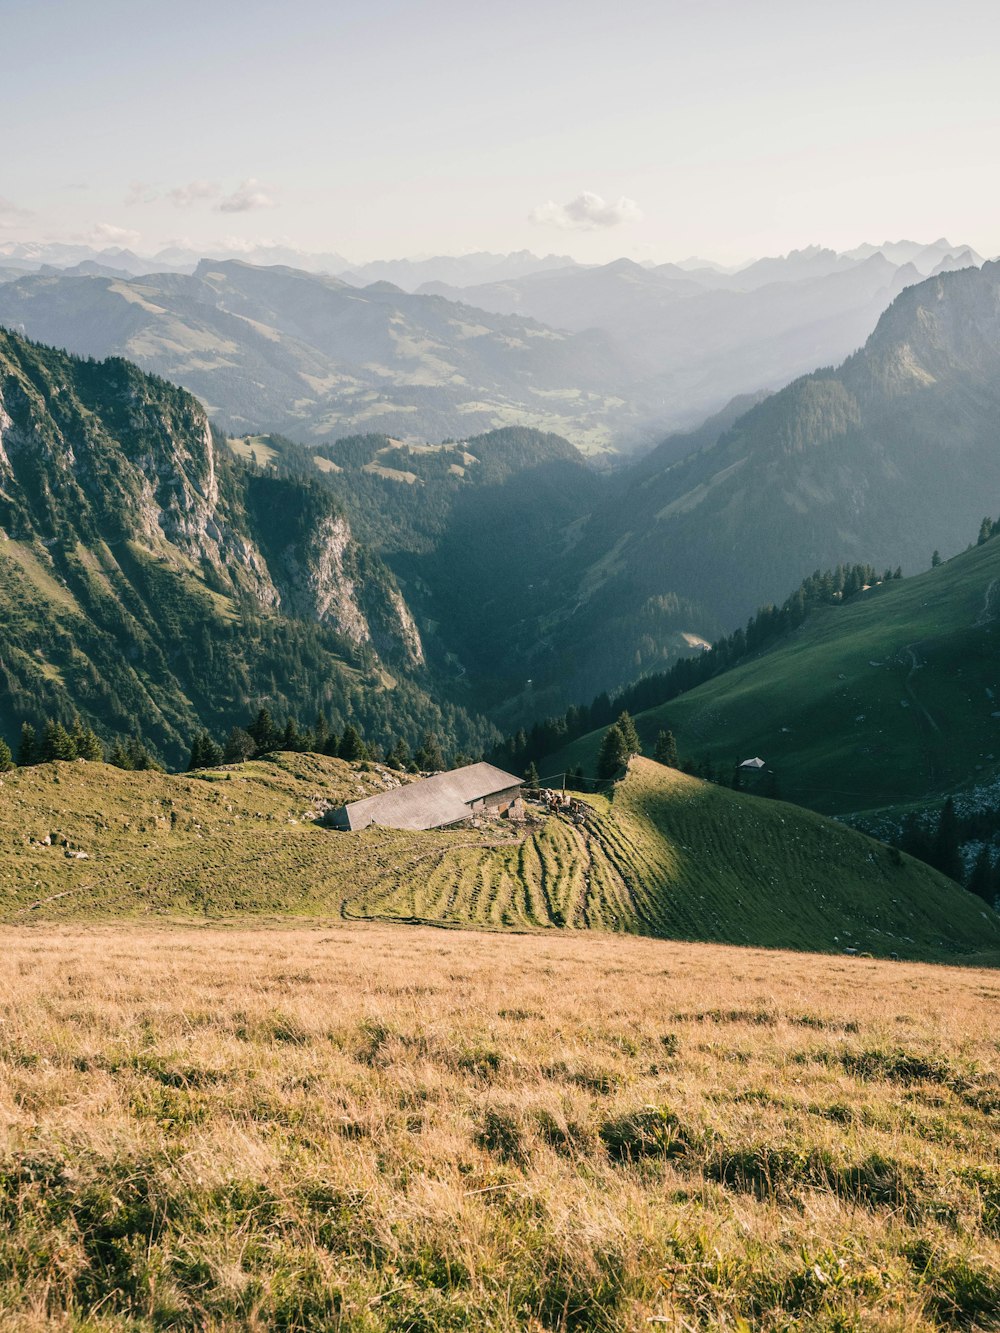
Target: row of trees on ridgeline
<point>55,741</point>
<point>263,736</point>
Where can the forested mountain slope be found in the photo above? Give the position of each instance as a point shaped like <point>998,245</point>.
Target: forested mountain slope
<point>893,454</point>
<point>150,582</point>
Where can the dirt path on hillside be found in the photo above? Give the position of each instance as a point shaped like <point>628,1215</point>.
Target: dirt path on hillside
<point>929,727</point>
<point>991,605</point>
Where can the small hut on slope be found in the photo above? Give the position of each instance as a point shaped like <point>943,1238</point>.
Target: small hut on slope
<point>435,802</point>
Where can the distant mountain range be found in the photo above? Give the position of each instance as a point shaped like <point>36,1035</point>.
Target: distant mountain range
<point>531,579</point>
<point>609,356</point>
<point>282,350</point>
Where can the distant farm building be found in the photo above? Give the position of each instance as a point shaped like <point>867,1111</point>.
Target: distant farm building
<point>435,802</point>
<point>753,765</point>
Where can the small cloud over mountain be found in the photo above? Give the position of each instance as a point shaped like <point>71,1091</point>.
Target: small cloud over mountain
<point>587,212</point>
<point>250,196</point>
<point>106,233</point>
<point>183,196</point>
<point>11,214</point>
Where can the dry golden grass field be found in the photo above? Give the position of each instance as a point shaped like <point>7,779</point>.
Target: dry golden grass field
<point>373,1127</point>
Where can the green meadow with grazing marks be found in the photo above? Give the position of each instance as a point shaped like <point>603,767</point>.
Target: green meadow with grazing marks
<point>663,855</point>
<point>887,700</point>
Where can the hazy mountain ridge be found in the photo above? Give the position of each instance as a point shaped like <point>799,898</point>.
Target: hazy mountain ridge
<point>625,350</point>
<point>278,349</point>
<point>882,460</point>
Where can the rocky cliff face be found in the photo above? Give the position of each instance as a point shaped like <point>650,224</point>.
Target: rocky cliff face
<point>128,456</point>
<point>148,579</point>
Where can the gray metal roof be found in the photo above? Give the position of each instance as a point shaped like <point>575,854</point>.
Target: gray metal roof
<point>432,802</point>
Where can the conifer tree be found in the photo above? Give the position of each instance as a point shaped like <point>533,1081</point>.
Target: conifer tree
<point>27,750</point>
<point>321,732</point>
<point>87,744</point>
<point>57,743</point>
<point>399,756</point>
<point>205,753</point>
<point>6,758</point>
<point>982,879</point>
<point>630,736</point>
<point>429,757</point>
<point>119,756</point>
<point>531,776</point>
<point>352,747</point>
<point>665,750</point>
<point>265,734</point>
<point>945,853</point>
<point>139,757</point>
<point>613,754</point>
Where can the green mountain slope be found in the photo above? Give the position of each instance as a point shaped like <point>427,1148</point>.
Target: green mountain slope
<point>150,582</point>
<point>885,459</point>
<point>667,855</point>
<point>893,697</point>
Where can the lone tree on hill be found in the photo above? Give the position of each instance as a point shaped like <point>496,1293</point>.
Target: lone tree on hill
<point>239,746</point>
<point>614,753</point>
<point>629,735</point>
<point>6,758</point>
<point>27,750</point>
<point>531,776</point>
<point>665,750</point>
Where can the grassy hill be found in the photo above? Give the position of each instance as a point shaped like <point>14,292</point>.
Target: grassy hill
<point>665,855</point>
<point>888,699</point>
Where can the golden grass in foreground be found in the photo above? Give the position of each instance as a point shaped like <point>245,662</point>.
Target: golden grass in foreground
<point>375,1128</point>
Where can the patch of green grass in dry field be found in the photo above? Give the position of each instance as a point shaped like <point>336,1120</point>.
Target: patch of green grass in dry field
<point>376,1128</point>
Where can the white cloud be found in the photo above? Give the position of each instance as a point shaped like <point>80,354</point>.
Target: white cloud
<point>106,233</point>
<point>250,195</point>
<point>141,192</point>
<point>183,196</point>
<point>11,215</point>
<point>587,212</point>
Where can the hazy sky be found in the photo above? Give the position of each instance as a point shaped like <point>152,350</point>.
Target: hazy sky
<point>727,128</point>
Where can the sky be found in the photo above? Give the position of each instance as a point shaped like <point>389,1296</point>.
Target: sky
<point>386,128</point>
